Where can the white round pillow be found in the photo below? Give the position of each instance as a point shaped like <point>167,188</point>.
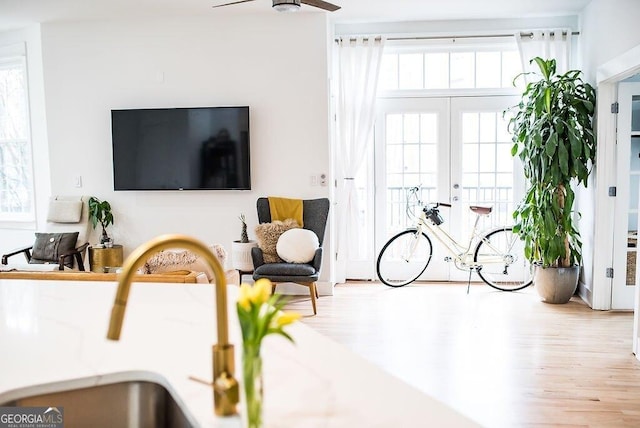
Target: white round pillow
<point>297,245</point>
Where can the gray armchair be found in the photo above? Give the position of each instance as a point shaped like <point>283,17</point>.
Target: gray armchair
<point>315,214</point>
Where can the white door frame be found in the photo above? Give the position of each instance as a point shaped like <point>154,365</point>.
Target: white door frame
<point>622,295</point>
<point>608,76</point>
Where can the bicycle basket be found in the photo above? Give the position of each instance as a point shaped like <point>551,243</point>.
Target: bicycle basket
<point>434,216</point>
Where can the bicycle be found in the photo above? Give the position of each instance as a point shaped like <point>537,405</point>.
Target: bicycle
<point>497,257</point>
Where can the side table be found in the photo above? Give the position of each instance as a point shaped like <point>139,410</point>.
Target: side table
<point>102,259</point>
<point>244,272</point>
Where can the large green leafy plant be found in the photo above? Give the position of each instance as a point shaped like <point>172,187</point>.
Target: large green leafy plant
<point>553,135</point>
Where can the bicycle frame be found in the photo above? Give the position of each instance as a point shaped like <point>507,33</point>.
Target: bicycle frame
<point>461,254</point>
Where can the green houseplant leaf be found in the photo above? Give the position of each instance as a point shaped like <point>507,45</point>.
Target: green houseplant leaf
<point>100,212</point>
<point>552,128</point>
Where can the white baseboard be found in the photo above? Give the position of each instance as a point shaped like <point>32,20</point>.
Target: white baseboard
<point>585,294</point>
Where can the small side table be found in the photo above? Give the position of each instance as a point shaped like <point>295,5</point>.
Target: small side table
<point>103,259</point>
<point>244,272</point>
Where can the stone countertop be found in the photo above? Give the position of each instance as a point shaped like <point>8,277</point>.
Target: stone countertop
<point>53,331</point>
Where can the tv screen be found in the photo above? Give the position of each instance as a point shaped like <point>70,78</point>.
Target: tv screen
<point>203,148</point>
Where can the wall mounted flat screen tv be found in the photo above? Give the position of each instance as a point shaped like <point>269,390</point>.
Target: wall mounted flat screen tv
<point>203,148</point>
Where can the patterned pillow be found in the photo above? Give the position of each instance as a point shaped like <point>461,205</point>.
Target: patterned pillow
<point>177,260</point>
<point>50,246</point>
<point>268,235</point>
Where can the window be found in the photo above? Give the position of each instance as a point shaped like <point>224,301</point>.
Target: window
<point>16,175</point>
<point>433,67</point>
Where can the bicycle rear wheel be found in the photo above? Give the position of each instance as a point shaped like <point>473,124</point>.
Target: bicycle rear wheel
<point>504,266</point>
<point>403,258</point>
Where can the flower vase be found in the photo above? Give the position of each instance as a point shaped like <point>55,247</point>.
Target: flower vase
<point>252,376</point>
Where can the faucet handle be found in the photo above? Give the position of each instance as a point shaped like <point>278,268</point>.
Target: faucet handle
<point>226,392</point>
<point>226,395</point>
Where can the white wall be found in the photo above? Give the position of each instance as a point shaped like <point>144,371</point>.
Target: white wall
<point>276,64</point>
<point>609,28</point>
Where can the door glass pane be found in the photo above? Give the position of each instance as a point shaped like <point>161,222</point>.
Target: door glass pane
<point>411,163</point>
<point>634,199</point>
<point>471,128</point>
<point>487,169</point>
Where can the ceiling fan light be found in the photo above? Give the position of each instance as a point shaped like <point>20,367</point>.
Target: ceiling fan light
<point>286,5</point>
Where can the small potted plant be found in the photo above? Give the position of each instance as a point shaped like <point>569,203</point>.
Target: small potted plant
<point>241,249</point>
<point>553,135</point>
<point>100,212</point>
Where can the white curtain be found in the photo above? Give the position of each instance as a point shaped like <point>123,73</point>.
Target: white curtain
<point>358,69</point>
<point>547,44</point>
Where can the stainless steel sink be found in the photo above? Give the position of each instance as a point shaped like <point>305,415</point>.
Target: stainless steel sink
<point>107,402</point>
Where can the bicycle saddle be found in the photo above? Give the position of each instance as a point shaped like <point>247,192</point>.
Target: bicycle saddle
<point>481,210</point>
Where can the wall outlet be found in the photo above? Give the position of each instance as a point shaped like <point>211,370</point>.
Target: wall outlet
<point>78,181</point>
<point>323,180</point>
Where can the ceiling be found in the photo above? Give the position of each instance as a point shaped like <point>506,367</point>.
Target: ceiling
<point>19,13</point>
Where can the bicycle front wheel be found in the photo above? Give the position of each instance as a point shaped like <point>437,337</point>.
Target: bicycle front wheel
<point>404,257</point>
<point>504,266</point>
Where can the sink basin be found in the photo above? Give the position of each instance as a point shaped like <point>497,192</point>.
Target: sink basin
<point>118,400</point>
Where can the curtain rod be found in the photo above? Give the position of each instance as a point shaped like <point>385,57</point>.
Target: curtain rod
<point>477,36</point>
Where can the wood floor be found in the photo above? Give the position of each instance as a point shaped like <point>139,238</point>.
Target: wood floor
<point>502,359</point>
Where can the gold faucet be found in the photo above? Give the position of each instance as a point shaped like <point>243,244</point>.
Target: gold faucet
<point>225,386</point>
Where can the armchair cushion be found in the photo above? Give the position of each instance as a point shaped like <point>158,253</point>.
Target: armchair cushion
<point>286,269</point>
<point>297,245</point>
<point>268,235</point>
<point>50,246</point>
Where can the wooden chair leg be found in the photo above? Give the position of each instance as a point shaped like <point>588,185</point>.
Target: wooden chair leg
<point>317,295</point>
<point>313,292</point>
<point>273,287</point>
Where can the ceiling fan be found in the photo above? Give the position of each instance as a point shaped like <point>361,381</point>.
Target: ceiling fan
<point>291,5</point>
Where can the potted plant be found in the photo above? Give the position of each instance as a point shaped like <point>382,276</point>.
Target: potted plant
<point>100,212</point>
<point>241,249</point>
<point>553,135</point>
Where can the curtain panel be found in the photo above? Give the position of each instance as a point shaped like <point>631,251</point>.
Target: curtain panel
<point>359,62</point>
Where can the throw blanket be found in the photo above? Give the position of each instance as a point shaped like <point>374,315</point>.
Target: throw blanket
<point>284,208</point>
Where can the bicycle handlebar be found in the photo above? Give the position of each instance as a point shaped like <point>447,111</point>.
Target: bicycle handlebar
<point>416,189</point>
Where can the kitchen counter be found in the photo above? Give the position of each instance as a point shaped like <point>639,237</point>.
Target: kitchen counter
<point>52,331</point>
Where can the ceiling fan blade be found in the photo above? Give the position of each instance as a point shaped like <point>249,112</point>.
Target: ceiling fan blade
<point>233,2</point>
<point>321,4</point>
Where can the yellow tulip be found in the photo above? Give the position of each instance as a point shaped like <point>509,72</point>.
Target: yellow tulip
<point>287,318</point>
<point>245,296</point>
<point>261,291</point>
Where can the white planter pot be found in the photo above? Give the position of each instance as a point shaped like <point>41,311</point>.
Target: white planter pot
<point>241,255</point>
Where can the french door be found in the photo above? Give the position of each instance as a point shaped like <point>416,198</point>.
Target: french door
<point>458,151</point>
<point>627,201</point>
<point>412,149</point>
